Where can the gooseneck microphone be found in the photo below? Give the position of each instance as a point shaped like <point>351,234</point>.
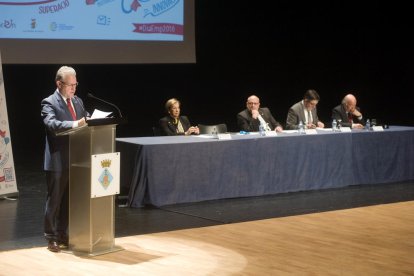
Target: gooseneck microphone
<point>85,113</point>
<point>108,103</point>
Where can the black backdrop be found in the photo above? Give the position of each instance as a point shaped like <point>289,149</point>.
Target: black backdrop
<point>274,49</point>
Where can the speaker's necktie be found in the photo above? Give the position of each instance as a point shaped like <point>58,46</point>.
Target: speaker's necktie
<point>350,117</point>
<point>72,112</point>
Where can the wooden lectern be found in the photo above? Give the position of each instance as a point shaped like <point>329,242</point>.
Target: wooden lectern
<point>91,220</point>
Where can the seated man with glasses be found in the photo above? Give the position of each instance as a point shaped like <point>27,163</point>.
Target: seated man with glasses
<point>251,118</point>
<point>305,111</point>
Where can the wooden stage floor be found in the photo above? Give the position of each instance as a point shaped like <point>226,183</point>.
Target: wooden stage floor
<point>373,240</point>
<point>356,230</point>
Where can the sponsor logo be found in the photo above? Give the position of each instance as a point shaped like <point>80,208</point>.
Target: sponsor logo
<point>54,26</point>
<point>33,26</point>
<point>8,24</point>
<point>33,23</point>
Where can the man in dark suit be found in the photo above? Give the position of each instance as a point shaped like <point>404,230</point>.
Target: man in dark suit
<point>304,111</point>
<point>60,111</point>
<point>174,123</point>
<point>250,118</point>
<point>348,114</point>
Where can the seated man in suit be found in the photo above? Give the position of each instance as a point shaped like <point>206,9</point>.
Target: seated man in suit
<point>249,119</point>
<point>173,123</point>
<point>347,113</point>
<point>304,111</point>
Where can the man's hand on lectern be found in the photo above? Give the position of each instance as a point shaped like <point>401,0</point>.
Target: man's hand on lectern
<point>82,122</point>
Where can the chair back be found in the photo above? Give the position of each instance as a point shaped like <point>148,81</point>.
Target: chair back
<point>212,129</point>
<point>156,131</point>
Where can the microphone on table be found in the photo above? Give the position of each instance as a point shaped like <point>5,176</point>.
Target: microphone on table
<point>108,103</point>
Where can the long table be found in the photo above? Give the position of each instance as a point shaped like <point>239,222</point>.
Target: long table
<point>181,169</point>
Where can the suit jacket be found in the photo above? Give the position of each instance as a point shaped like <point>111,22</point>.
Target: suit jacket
<point>169,128</point>
<point>246,122</point>
<point>296,113</point>
<point>339,113</point>
<point>56,117</point>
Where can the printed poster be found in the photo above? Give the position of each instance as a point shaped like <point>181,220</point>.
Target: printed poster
<point>8,183</point>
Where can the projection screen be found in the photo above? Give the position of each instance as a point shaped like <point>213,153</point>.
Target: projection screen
<point>97,31</point>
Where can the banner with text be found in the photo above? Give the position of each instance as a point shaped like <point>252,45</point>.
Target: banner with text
<point>8,183</point>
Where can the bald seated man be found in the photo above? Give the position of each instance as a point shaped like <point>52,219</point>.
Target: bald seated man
<point>249,119</point>
<point>348,113</point>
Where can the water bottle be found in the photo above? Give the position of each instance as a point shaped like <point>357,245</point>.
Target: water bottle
<point>301,128</point>
<point>334,125</point>
<point>262,130</point>
<point>367,125</point>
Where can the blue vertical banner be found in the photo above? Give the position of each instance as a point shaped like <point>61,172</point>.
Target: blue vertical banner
<point>8,183</point>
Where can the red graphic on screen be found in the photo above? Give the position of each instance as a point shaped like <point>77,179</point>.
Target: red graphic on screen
<point>161,28</point>
<point>135,5</point>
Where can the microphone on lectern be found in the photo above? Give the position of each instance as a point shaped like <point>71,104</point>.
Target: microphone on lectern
<point>85,113</point>
<point>111,104</point>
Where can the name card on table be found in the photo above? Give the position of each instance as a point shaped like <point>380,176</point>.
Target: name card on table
<point>270,133</point>
<point>224,136</point>
<point>311,131</point>
<point>345,129</point>
<point>377,128</point>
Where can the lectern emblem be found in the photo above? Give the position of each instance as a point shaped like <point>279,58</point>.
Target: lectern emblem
<point>106,177</point>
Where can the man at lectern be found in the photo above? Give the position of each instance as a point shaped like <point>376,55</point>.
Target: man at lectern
<point>60,111</point>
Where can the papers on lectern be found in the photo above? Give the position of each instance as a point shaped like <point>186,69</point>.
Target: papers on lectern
<point>98,114</point>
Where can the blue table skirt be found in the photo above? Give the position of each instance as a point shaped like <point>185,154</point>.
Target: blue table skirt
<point>169,170</point>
